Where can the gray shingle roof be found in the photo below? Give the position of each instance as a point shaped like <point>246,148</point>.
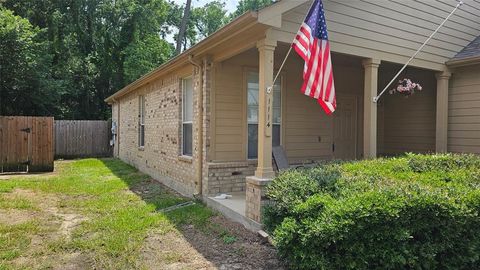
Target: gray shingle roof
<point>471,50</point>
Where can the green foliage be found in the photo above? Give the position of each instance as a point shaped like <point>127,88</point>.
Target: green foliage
<point>24,75</point>
<point>63,58</point>
<point>229,239</point>
<point>86,56</point>
<point>415,211</point>
<point>209,18</point>
<point>250,5</point>
<point>145,55</point>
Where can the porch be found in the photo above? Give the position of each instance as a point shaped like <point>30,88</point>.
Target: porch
<point>240,160</point>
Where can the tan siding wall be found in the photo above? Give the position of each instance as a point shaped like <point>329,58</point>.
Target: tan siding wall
<point>392,30</point>
<point>409,123</point>
<point>404,124</point>
<point>303,119</point>
<point>160,157</point>
<point>464,110</point>
<point>229,113</point>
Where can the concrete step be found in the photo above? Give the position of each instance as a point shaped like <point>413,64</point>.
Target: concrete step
<point>232,209</point>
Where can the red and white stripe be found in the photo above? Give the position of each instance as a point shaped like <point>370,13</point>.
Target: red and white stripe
<point>317,73</point>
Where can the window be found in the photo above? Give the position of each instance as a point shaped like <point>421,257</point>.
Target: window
<point>141,121</point>
<point>187,116</point>
<point>252,114</point>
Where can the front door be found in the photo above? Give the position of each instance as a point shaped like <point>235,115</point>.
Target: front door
<point>345,128</point>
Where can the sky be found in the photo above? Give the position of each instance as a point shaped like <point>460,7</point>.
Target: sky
<point>230,5</point>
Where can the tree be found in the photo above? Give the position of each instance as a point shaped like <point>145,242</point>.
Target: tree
<point>89,43</point>
<point>247,5</point>
<point>65,57</point>
<point>183,27</point>
<point>25,85</point>
<point>145,55</point>
<point>209,18</point>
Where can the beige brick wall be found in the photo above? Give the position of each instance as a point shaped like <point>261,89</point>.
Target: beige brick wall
<point>161,157</point>
<point>256,198</point>
<point>229,177</point>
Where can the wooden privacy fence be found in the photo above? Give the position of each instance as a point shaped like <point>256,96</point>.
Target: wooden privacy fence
<point>26,144</point>
<point>82,138</point>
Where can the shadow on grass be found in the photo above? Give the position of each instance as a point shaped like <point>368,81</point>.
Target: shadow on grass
<point>226,245</point>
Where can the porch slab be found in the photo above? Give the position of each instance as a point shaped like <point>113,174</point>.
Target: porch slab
<point>234,209</point>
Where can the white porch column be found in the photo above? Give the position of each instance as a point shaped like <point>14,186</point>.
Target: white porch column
<point>441,138</point>
<point>370,108</point>
<point>256,185</point>
<point>266,49</point>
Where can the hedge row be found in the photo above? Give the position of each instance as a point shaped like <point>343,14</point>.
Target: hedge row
<point>411,212</point>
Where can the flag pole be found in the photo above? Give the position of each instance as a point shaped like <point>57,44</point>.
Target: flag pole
<point>375,99</point>
<point>269,89</point>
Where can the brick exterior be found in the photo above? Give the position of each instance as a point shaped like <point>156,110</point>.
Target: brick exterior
<point>255,198</point>
<point>228,177</point>
<point>161,157</point>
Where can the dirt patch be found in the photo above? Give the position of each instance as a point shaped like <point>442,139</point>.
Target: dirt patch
<point>68,222</point>
<point>15,216</point>
<point>54,225</point>
<point>172,251</point>
<point>225,245</point>
<point>73,261</point>
<point>16,175</point>
<point>247,251</point>
<point>23,193</point>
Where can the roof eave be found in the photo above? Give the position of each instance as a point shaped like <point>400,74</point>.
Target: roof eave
<point>182,58</point>
<point>464,61</point>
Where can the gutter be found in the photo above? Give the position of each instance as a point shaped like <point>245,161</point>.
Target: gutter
<point>199,161</point>
<point>464,61</point>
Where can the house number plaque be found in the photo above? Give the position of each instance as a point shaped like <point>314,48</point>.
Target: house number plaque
<point>268,112</point>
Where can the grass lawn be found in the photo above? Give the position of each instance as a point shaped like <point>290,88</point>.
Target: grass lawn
<point>102,213</point>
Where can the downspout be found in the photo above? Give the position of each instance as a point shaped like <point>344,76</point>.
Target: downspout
<point>199,160</point>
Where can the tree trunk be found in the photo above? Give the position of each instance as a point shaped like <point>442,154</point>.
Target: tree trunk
<point>183,27</point>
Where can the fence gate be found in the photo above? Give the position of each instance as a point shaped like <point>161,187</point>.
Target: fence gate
<point>26,144</point>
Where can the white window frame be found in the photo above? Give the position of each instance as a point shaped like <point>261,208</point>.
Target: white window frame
<point>279,80</point>
<point>183,117</point>
<point>141,121</point>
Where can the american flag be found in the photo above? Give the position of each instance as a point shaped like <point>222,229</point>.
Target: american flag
<point>311,43</point>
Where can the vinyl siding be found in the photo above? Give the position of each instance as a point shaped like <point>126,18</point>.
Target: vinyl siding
<point>464,110</point>
<point>303,119</point>
<point>392,30</point>
<point>229,112</point>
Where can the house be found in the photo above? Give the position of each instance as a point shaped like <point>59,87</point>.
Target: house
<point>198,123</point>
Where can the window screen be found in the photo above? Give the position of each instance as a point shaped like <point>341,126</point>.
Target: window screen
<point>187,116</point>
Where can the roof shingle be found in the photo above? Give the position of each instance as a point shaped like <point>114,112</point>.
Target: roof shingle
<point>471,50</point>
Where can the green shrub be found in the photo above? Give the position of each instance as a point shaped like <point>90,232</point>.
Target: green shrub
<point>410,212</point>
